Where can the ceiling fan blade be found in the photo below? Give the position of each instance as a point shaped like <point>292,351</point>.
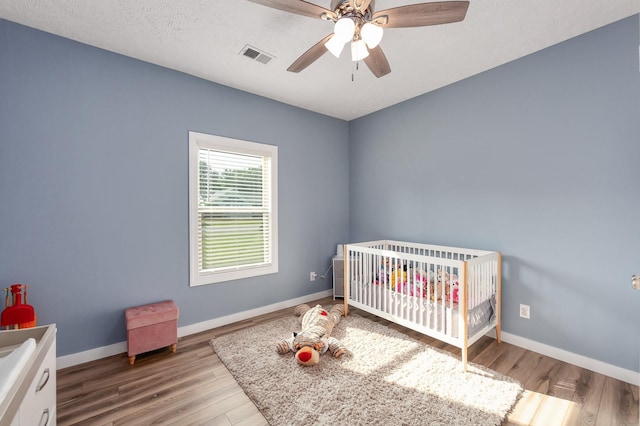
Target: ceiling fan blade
<point>377,62</point>
<point>422,14</point>
<point>361,5</point>
<point>299,7</point>
<point>310,56</point>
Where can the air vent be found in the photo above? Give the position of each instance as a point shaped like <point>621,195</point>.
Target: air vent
<point>256,54</point>
<point>251,53</point>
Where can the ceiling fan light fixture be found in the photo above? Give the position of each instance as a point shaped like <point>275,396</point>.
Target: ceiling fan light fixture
<point>355,22</point>
<point>335,46</point>
<point>358,50</point>
<point>371,34</point>
<point>344,29</point>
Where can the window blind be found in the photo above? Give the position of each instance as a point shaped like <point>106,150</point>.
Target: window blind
<point>234,210</point>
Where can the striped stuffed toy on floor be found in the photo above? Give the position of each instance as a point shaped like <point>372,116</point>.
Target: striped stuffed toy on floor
<point>314,338</point>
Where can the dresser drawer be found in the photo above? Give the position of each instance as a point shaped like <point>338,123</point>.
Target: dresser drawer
<point>39,404</point>
<point>31,399</point>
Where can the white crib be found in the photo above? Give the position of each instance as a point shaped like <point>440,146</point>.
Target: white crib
<point>451,294</point>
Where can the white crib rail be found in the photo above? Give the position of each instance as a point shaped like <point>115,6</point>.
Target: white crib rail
<point>484,280</point>
<point>415,285</point>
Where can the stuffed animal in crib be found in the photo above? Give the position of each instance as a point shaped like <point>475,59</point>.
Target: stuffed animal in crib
<point>454,295</point>
<point>445,283</point>
<point>383,275</point>
<point>441,285</point>
<point>415,284</point>
<point>454,288</point>
<point>398,278</point>
<point>314,338</point>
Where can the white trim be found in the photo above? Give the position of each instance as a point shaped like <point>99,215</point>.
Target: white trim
<point>241,316</point>
<point>628,376</point>
<point>90,355</point>
<point>121,347</point>
<point>197,141</point>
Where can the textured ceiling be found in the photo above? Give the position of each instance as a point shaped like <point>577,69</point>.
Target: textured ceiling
<point>205,37</point>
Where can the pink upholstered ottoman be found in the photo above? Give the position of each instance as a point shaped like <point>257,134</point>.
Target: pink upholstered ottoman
<point>151,327</point>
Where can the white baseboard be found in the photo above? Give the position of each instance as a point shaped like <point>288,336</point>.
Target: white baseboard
<point>628,376</point>
<point>118,348</point>
<point>241,316</point>
<point>90,355</point>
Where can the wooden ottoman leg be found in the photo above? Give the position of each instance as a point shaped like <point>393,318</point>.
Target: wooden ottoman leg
<point>174,347</point>
<point>132,359</point>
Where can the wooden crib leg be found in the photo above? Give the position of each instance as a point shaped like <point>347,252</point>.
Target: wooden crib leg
<point>464,357</point>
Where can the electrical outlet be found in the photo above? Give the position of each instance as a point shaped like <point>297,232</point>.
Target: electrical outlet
<point>525,311</point>
<point>312,276</point>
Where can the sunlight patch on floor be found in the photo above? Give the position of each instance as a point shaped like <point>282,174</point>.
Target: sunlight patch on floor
<point>545,410</point>
<point>374,363</point>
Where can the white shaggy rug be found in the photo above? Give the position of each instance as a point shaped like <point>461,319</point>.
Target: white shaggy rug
<point>387,378</point>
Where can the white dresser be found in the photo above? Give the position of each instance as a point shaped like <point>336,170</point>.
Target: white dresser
<point>29,397</point>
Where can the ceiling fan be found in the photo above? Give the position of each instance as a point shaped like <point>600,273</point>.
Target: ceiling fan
<point>357,23</point>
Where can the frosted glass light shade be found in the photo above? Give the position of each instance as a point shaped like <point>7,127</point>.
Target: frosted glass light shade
<point>358,50</point>
<point>371,34</point>
<point>344,29</point>
<point>335,46</point>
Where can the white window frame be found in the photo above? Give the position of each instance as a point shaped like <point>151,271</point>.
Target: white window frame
<point>198,141</point>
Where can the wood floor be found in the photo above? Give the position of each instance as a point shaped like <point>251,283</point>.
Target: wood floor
<point>192,386</point>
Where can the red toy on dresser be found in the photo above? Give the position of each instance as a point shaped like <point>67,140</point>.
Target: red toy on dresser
<point>18,314</point>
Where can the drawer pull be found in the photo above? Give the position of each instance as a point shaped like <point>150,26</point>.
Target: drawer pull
<point>45,417</point>
<point>44,379</point>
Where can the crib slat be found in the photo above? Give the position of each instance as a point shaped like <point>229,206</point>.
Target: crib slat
<point>465,318</point>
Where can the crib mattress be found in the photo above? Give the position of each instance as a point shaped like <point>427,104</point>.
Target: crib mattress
<point>436,316</point>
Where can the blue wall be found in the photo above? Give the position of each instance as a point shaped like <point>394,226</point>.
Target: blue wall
<point>94,186</point>
<point>538,159</point>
